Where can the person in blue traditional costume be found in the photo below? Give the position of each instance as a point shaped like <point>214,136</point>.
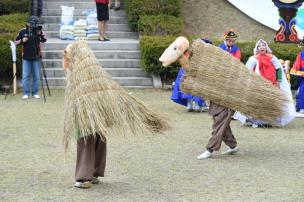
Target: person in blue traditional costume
<point>299,66</point>
<point>191,102</point>
<point>229,44</point>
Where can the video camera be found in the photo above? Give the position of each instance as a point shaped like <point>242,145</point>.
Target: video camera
<point>34,25</point>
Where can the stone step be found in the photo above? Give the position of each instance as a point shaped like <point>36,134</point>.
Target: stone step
<point>57,19</point>
<point>114,44</point>
<point>105,63</point>
<point>111,27</point>
<point>114,72</point>
<point>106,54</point>
<point>80,12</point>
<point>75,4</point>
<point>110,34</point>
<point>123,81</point>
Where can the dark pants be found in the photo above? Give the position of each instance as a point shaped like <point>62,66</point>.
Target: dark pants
<point>36,7</point>
<point>91,158</point>
<point>221,127</point>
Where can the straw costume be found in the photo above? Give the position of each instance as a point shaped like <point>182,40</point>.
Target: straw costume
<point>217,76</point>
<point>96,107</point>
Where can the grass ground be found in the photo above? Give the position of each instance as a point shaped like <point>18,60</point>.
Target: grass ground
<point>33,167</point>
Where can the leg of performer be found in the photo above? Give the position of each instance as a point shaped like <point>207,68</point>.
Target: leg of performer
<point>300,96</point>
<point>221,128</point>
<point>85,162</point>
<point>100,158</point>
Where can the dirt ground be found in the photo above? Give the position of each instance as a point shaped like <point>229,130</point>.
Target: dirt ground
<point>33,167</point>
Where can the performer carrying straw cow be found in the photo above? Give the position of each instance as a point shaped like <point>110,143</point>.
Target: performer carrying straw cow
<point>228,84</point>
<point>96,107</point>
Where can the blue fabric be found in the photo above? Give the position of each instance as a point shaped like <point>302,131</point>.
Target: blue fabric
<point>233,49</point>
<point>300,94</point>
<point>28,68</point>
<point>181,98</point>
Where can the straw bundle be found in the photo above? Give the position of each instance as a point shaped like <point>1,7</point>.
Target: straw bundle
<point>95,103</point>
<point>215,75</point>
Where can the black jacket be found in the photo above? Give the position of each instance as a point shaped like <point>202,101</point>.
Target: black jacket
<point>31,49</point>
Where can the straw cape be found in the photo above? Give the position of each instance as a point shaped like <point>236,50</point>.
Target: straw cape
<point>215,75</point>
<point>94,103</point>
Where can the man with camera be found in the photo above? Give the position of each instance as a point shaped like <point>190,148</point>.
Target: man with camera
<point>30,38</point>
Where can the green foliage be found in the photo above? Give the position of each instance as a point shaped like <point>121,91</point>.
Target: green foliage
<point>9,28</point>
<point>137,8</point>
<point>14,6</point>
<point>160,25</point>
<point>153,46</point>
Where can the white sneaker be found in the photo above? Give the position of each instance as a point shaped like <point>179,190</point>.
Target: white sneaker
<point>83,185</point>
<point>254,126</point>
<point>25,97</point>
<point>206,154</point>
<point>36,96</point>
<point>231,151</point>
<point>301,111</point>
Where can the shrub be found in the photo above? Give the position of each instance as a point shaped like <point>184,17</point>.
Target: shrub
<point>9,28</point>
<point>13,6</point>
<point>160,25</point>
<point>153,46</point>
<point>137,8</point>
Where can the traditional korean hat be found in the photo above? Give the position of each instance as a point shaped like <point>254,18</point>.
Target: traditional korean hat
<point>230,34</point>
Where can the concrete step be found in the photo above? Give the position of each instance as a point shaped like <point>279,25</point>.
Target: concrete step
<point>123,81</point>
<point>110,34</point>
<point>57,19</point>
<point>80,12</point>
<point>114,44</point>
<point>106,54</point>
<point>111,27</point>
<point>114,72</point>
<point>105,63</point>
<point>76,4</point>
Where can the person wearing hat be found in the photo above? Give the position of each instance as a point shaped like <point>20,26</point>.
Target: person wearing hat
<point>299,66</point>
<point>30,38</point>
<point>229,44</point>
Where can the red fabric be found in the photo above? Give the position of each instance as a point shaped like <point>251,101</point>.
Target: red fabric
<point>237,54</point>
<point>102,1</point>
<point>298,63</point>
<point>267,69</point>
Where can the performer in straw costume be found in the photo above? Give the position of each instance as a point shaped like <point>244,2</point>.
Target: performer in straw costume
<point>96,107</point>
<point>229,44</point>
<point>228,84</point>
<point>299,66</point>
<point>221,115</point>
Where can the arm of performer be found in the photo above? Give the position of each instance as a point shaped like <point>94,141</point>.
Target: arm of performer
<point>238,54</point>
<point>251,63</point>
<point>279,68</point>
<point>297,64</point>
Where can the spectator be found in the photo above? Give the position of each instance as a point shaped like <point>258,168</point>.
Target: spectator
<point>102,7</point>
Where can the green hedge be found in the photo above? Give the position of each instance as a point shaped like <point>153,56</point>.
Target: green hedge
<point>14,6</point>
<point>137,8</point>
<point>160,25</point>
<point>9,28</point>
<point>153,46</point>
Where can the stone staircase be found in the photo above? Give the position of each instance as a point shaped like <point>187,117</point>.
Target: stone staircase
<point>120,56</point>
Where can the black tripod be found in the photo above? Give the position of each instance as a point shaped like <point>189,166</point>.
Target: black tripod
<point>33,33</point>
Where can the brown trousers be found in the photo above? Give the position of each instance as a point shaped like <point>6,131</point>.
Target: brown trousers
<point>91,158</point>
<point>221,127</point>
